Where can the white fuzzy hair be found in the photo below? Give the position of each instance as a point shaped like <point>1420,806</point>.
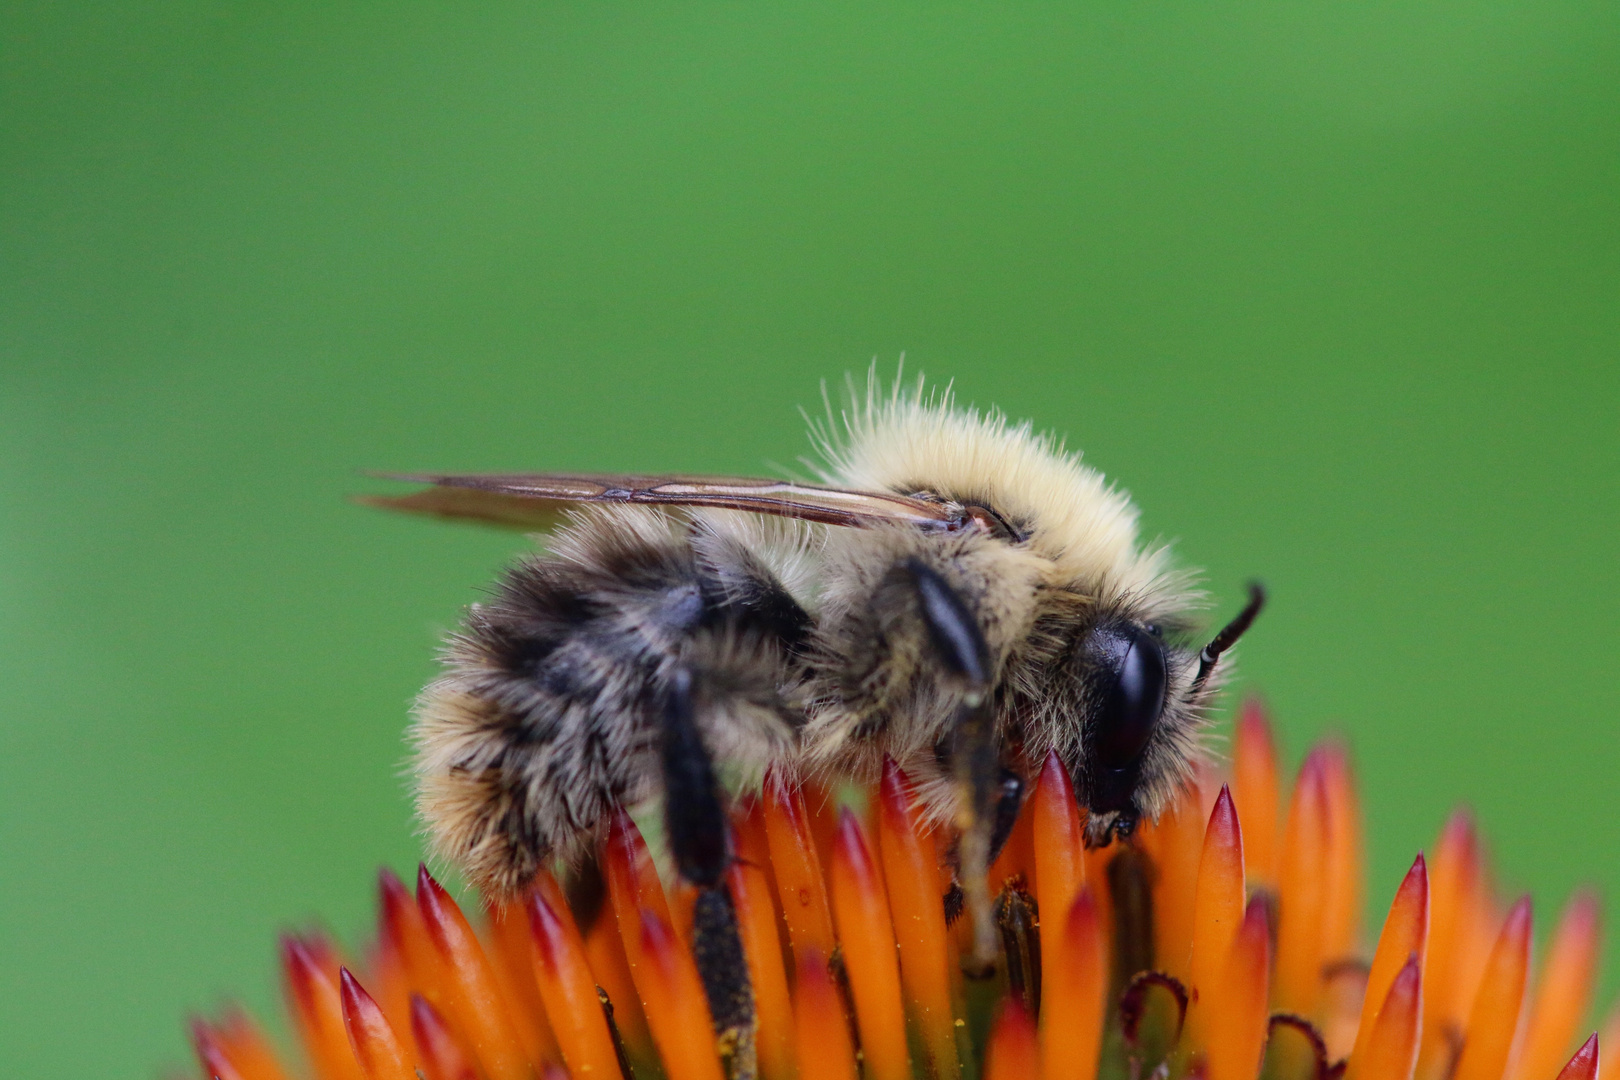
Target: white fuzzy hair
<point>911,437</point>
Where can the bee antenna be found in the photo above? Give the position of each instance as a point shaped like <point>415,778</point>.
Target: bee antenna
<point>1229,634</point>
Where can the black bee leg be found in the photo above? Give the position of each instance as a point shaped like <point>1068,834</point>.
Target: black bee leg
<point>695,824</point>
<point>977,765</point>
<point>693,812</point>
<point>1009,802</point>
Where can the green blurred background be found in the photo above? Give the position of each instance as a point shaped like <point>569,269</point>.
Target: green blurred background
<point>1333,289</point>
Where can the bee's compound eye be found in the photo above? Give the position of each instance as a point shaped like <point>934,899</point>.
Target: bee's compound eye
<point>1132,674</point>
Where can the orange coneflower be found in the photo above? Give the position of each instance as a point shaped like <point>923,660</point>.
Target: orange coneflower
<point>1222,943</point>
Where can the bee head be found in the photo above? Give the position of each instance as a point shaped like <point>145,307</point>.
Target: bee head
<point>1141,714</point>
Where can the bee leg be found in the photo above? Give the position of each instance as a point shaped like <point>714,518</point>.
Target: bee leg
<point>974,759</point>
<point>1009,801</point>
<point>696,826</point>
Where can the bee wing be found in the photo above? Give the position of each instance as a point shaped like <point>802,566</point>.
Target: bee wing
<point>534,501</point>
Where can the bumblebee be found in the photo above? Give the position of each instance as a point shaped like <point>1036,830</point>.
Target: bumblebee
<point>958,593</point>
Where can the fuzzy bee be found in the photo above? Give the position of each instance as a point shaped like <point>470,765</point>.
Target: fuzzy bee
<point>959,594</point>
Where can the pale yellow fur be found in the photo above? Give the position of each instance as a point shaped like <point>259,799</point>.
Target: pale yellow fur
<point>1084,526</point>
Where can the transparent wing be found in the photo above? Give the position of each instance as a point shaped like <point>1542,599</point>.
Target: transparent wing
<point>533,501</point>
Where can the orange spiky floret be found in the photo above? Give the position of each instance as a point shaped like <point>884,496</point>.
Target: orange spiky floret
<point>820,1030</point>
<point>563,978</point>
<point>442,1056</point>
<point>1217,906</point>
<point>317,1012</point>
<point>796,866</point>
<point>243,1044</point>
<point>1302,877</point>
<point>611,967</point>
<point>1012,1053</point>
<point>1389,1045</point>
<point>1495,1015</point>
<point>509,946</point>
<point>403,936</point>
<point>750,887</point>
<point>1459,908</point>
<point>216,1063</point>
<point>821,804</point>
<point>390,984</point>
<point>1584,1065</point>
<point>1175,844</point>
<point>632,885</point>
<point>910,874</point>
<point>372,1039</point>
<point>866,932</point>
<point>1339,1009</point>
<point>1342,909</point>
<point>1255,789</point>
<point>1564,990</point>
<point>1235,1014</point>
<point>1609,1035</point>
<point>676,1010</point>
<point>661,966</point>
<point>1057,835</point>
<point>1402,943</point>
<point>473,1000</point>
<point>865,906</point>
<point>1073,994</point>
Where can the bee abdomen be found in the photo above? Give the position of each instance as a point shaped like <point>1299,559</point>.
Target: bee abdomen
<point>549,714</point>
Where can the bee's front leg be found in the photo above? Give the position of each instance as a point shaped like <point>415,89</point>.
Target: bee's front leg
<point>697,830</point>
<point>975,759</point>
